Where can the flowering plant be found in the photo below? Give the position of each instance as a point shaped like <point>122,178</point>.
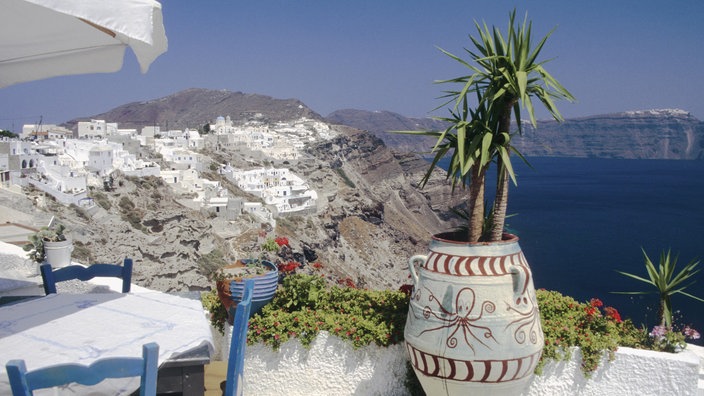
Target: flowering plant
<point>667,339</point>
<point>289,267</point>
<point>281,241</point>
<point>591,326</point>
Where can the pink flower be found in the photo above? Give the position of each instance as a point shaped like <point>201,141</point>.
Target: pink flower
<point>691,333</point>
<point>658,331</point>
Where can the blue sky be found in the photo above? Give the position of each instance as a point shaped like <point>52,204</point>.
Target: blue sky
<point>382,55</point>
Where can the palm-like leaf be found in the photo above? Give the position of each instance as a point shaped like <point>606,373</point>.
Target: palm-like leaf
<point>666,282</point>
<point>503,73</point>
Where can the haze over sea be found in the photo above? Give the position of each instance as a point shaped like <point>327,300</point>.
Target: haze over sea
<point>579,220</point>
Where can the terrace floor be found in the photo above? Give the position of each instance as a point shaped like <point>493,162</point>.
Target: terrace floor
<point>215,373</point>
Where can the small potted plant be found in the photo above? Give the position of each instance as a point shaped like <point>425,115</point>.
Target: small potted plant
<point>229,281</point>
<point>51,245</point>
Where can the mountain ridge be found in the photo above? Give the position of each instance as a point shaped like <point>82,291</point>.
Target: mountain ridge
<point>637,134</point>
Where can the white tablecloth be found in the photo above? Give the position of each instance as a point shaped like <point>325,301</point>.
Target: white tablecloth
<point>82,328</point>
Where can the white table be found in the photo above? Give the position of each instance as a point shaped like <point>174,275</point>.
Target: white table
<point>82,328</point>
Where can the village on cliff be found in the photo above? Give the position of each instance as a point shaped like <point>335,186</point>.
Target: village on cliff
<point>66,164</point>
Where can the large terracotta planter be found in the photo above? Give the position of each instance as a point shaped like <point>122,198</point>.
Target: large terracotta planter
<point>473,325</point>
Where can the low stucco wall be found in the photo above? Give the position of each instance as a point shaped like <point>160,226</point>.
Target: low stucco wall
<point>331,366</point>
<point>632,372</point>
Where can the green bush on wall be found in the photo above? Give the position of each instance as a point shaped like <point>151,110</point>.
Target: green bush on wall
<point>304,306</point>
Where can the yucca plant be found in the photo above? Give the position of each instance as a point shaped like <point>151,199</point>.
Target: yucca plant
<point>505,75</point>
<point>666,282</point>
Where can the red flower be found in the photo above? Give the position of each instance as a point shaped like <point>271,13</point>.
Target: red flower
<point>281,241</point>
<point>591,311</point>
<point>595,302</point>
<point>289,267</point>
<point>317,265</point>
<point>612,313</point>
<point>347,282</point>
<point>406,289</point>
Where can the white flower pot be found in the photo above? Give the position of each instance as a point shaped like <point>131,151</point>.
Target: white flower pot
<point>58,254</point>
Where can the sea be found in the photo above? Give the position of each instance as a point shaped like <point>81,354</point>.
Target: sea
<point>580,220</point>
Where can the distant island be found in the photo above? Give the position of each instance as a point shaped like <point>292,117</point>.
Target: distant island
<point>647,134</point>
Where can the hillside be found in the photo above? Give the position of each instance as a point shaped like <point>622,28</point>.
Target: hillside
<point>371,215</point>
<point>193,108</point>
<point>651,134</point>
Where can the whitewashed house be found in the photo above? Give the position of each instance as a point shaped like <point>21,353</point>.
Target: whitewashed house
<point>284,191</point>
<point>67,185</point>
<point>96,129</point>
<point>45,131</point>
<point>100,160</point>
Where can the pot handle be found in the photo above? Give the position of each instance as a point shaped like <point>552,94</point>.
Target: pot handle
<point>420,259</point>
<point>519,279</point>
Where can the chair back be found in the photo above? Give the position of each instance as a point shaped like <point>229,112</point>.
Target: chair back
<point>23,382</point>
<point>51,276</point>
<point>235,362</point>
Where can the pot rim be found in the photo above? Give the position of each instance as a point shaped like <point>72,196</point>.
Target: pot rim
<point>452,238</point>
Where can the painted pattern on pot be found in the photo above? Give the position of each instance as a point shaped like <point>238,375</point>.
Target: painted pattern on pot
<point>473,322</point>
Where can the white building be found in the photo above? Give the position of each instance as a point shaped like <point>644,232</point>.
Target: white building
<point>284,191</point>
<point>100,160</point>
<point>96,129</point>
<point>45,131</point>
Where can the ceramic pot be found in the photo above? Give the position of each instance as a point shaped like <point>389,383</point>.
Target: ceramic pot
<point>58,254</point>
<point>473,325</point>
<point>230,291</point>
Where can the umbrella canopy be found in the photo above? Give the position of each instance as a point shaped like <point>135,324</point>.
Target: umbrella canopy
<point>48,38</point>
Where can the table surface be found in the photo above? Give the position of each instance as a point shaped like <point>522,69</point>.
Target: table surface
<point>82,328</point>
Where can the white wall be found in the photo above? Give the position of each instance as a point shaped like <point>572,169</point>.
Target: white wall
<point>333,367</point>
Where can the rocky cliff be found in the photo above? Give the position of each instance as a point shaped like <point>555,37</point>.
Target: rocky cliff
<point>371,217</point>
<point>651,134</point>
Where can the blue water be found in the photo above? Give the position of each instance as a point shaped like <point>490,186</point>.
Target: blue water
<point>579,220</point>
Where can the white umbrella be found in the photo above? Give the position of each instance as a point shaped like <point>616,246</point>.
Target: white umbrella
<point>48,38</point>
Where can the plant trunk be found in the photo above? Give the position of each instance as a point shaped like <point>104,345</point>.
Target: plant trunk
<point>476,203</point>
<point>665,311</point>
<point>501,200</point>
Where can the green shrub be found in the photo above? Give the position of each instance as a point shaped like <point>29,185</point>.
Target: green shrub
<point>270,245</point>
<point>218,314</point>
<point>304,306</point>
<point>590,326</point>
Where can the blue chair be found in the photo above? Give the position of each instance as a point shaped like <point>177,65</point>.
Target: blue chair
<point>235,362</point>
<point>23,383</point>
<point>51,277</point>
